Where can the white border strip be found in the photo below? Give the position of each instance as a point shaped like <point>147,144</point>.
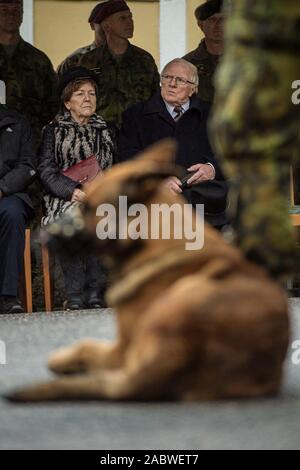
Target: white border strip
<point>27,25</point>
<point>172,30</point>
<point>2,92</point>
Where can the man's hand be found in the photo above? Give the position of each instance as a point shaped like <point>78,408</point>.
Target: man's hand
<point>1,194</point>
<point>78,196</point>
<point>173,183</point>
<point>204,172</point>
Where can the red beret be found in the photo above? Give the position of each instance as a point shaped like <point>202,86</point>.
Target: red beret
<point>210,8</point>
<point>95,12</point>
<point>110,7</point>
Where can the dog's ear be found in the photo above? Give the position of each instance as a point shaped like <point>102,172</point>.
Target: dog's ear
<point>162,153</point>
<point>141,187</point>
<point>152,166</point>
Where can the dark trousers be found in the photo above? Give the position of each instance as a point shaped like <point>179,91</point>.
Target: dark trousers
<point>82,275</point>
<point>14,215</point>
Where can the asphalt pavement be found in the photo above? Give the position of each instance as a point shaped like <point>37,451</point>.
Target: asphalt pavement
<point>260,424</point>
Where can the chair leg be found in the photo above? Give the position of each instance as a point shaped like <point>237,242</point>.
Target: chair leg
<point>27,272</point>
<point>47,278</point>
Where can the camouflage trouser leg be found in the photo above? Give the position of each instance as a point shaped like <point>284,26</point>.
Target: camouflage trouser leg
<point>255,125</point>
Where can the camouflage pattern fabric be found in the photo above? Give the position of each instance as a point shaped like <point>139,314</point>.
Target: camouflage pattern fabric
<point>206,64</point>
<point>122,83</point>
<point>30,85</point>
<point>73,59</point>
<point>255,125</point>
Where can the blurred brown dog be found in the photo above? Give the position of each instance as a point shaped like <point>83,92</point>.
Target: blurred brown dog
<point>193,325</point>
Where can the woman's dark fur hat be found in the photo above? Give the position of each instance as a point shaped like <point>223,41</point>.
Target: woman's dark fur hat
<point>75,73</point>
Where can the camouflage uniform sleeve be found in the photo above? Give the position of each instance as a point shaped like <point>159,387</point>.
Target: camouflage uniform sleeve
<point>156,79</point>
<point>51,102</point>
<point>256,126</point>
<point>71,61</point>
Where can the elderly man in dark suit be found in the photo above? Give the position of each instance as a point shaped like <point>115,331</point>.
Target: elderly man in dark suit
<point>177,112</point>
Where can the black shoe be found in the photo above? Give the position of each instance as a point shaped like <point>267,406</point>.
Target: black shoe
<point>73,303</point>
<point>95,304</point>
<point>11,305</point>
<point>94,300</point>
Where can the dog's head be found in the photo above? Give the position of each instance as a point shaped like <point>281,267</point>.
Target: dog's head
<point>137,180</point>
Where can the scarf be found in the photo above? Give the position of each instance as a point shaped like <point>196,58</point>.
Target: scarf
<point>73,143</point>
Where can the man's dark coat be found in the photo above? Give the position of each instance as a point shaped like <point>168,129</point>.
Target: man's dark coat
<point>150,121</point>
<point>17,156</point>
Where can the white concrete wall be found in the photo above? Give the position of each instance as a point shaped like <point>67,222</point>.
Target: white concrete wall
<point>172,30</point>
<point>2,92</point>
<point>27,25</point>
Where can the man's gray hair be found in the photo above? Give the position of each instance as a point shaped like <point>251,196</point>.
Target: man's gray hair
<point>193,70</point>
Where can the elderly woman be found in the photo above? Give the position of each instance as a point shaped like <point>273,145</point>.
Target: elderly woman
<point>73,136</point>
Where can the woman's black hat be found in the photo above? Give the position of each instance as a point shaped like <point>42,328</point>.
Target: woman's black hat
<point>75,73</point>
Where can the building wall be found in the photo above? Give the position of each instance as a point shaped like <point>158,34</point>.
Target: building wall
<point>194,34</point>
<point>60,27</point>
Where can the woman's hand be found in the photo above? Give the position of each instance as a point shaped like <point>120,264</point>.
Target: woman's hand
<point>204,172</point>
<point>78,196</point>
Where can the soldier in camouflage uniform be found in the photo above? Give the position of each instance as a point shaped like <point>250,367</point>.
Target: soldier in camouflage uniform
<point>206,56</point>
<point>73,59</point>
<point>27,72</point>
<point>256,125</point>
<point>127,74</point>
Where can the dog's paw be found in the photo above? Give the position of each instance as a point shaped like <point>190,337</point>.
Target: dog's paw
<point>65,361</point>
<point>34,393</point>
<point>58,362</point>
<point>86,355</point>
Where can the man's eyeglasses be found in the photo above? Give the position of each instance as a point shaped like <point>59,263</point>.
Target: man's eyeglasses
<point>178,80</point>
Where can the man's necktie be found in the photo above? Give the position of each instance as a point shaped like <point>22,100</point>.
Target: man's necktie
<point>179,112</point>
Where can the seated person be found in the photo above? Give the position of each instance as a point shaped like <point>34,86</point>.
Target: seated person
<point>74,135</point>
<point>17,171</point>
<point>177,112</point>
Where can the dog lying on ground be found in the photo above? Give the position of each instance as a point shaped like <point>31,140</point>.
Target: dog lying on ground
<point>193,325</point>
